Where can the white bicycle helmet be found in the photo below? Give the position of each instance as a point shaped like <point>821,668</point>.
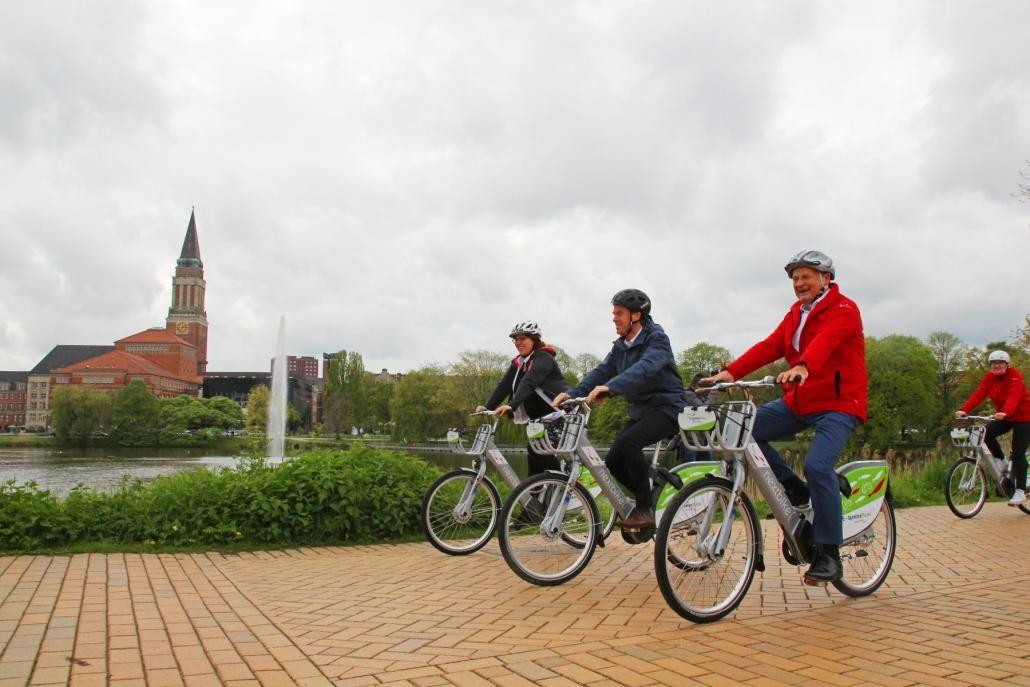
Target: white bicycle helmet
<point>1001,356</point>
<point>817,260</point>
<point>527,327</point>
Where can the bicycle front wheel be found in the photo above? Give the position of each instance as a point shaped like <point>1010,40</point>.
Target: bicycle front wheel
<point>548,550</point>
<point>701,579</point>
<point>458,517</point>
<point>867,559</point>
<point>965,488</point>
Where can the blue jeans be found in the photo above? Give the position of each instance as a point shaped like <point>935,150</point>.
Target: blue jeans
<point>832,430</point>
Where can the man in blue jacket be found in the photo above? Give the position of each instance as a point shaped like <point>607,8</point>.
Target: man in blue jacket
<point>642,368</point>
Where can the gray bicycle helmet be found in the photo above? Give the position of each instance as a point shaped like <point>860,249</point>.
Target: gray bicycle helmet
<point>527,327</point>
<point>817,260</point>
<point>633,300</point>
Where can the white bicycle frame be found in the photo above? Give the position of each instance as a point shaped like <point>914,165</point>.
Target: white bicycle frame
<point>731,434</point>
<point>574,446</point>
<point>483,446</point>
<point>972,438</point>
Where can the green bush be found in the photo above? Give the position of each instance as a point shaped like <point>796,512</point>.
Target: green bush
<point>359,495</point>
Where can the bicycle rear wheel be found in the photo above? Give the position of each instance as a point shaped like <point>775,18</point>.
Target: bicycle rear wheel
<point>867,560</point>
<point>459,533</point>
<point>965,488</point>
<point>557,555</point>
<point>698,581</point>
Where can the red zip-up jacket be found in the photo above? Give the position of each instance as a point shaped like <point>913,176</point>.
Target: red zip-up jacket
<point>1007,392</point>
<point>832,347</point>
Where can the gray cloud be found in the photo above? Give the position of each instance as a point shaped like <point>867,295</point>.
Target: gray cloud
<point>407,179</point>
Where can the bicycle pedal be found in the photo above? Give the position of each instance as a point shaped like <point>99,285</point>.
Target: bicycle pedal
<point>813,583</point>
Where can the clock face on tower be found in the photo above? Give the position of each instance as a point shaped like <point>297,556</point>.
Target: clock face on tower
<point>182,327</point>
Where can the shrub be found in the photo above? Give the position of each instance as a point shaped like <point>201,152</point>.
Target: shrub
<point>359,495</point>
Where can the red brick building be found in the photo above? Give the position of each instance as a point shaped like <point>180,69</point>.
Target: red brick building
<point>187,318</point>
<point>170,360</point>
<point>302,366</point>
<point>13,396</point>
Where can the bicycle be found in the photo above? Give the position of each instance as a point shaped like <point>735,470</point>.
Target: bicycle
<point>965,486</point>
<point>459,511</point>
<point>710,543</point>
<point>552,542</point>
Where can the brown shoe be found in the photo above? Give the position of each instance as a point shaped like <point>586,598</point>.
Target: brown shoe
<point>639,518</point>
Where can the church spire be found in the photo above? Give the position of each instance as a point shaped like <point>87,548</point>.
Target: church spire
<point>190,256</point>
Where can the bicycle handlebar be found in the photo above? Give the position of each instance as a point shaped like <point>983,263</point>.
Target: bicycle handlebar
<point>483,412</point>
<point>725,386</point>
<point>977,418</point>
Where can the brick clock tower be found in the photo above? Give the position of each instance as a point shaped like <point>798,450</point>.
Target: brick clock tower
<point>187,318</point>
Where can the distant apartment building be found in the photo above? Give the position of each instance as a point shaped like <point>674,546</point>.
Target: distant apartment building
<point>301,392</point>
<point>13,392</point>
<point>303,366</point>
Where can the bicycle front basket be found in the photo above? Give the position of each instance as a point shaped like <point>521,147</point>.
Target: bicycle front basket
<point>698,427</point>
<point>960,437</point>
<point>736,420</point>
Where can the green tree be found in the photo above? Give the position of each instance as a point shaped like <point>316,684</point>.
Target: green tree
<point>902,380</point>
<point>583,363</point>
<point>607,419</point>
<point>379,394</point>
<point>949,353</point>
<point>703,358</point>
<point>135,416</point>
<point>294,420</point>
<point>477,373</point>
<point>345,401</point>
<point>425,402</point>
<point>79,413</point>
<point>257,409</point>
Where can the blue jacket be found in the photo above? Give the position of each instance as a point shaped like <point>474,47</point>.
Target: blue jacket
<point>644,372</point>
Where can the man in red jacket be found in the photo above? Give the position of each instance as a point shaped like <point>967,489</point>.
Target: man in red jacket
<point>821,338</point>
<point>1004,385</point>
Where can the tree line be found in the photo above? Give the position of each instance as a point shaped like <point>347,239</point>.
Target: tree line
<point>915,386</point>
<point>135,417</point>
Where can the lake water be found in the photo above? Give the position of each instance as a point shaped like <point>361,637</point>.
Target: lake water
<point>102,469</point>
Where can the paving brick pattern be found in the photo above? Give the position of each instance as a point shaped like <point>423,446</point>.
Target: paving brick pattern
<point>953,612</point>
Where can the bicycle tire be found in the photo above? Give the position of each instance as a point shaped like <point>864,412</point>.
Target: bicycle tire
<point>953,490</point>
<point>541,558</point>
<point>860,578</point>
<point>446,532</point>
<point>684,573</point>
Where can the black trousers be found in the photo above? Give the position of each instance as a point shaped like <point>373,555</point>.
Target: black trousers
<point>626,459</point>
<point>540,462</point>
<point>1020,442</point>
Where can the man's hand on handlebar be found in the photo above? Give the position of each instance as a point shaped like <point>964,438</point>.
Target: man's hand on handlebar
<point>479,409</point>
<point>723,376</point>
<point>798,373</point>
<point>502,410</point>
<point>558,399</point>
<point>959,414</point>
<point>597,394</point>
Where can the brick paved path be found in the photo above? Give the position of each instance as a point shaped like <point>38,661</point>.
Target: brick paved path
<point>953,612</point>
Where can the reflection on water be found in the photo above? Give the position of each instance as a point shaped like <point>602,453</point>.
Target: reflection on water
<point>102,469</point>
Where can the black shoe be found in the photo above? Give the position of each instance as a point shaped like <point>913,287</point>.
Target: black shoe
<point>797,492</point>
<point>826,567</point>
<point>639,518</point>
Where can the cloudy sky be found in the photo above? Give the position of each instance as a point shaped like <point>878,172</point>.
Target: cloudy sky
<point>406,179</point>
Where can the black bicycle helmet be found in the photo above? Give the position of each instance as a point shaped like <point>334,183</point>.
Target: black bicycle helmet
<point>633,300</point>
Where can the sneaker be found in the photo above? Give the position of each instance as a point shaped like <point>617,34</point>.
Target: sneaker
<point>1018,498</point>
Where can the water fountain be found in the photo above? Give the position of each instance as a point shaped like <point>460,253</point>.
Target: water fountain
<point>276,432</point>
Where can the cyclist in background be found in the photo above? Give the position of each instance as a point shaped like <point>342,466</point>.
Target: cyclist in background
<point>641,367</point>
<point>532,380</point>
<point>821,339</point>
<point>1004,385</point>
